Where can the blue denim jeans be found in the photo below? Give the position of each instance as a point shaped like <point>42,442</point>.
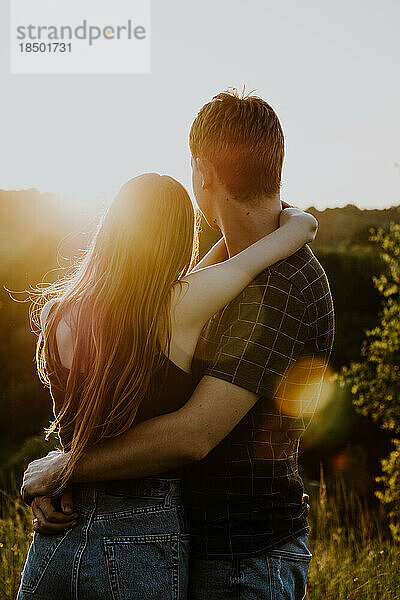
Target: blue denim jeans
<point>131,542</point>
<point>280,574</point>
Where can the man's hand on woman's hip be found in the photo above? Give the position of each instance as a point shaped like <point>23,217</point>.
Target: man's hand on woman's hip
<point>49,519</point>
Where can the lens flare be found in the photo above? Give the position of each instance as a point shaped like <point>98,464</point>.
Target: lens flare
<point>308,389</point>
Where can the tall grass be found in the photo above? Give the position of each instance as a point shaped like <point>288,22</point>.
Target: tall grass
<point>353,554</point>
<point>15,538</point>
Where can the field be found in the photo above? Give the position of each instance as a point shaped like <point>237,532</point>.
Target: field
<point>353,554</point>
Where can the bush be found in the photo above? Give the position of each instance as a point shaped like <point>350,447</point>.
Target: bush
<point>375,380</point>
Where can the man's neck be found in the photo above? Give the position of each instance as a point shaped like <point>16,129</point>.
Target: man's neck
<point>243,224</point>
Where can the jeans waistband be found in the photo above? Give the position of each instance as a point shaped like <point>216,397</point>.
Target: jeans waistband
<point>151,487</point>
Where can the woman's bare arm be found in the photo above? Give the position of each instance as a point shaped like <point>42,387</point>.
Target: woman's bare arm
<point>210,288</point>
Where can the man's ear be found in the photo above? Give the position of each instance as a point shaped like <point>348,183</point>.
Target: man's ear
<point>207,172</point>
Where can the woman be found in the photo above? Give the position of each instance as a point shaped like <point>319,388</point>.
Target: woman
<point>118,338</point>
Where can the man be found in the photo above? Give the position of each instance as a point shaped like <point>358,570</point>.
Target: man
<point>262,358</point>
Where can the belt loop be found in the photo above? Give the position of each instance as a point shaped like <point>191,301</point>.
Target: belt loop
<point>92,494</point>
<point>168,497</point>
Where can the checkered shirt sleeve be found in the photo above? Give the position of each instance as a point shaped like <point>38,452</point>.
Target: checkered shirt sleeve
<point>261,334</point>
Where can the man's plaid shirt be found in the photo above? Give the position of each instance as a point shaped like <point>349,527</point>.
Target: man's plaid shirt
<point>275,340</point>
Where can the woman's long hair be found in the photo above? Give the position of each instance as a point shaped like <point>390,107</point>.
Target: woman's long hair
<point>118,303</point>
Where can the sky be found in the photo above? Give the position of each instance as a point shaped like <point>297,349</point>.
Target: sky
<point>330,68</point>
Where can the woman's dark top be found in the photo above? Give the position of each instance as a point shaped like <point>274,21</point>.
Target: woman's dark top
<point>172,388</point>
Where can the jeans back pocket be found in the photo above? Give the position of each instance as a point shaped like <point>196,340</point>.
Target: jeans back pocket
<point>148,566</point>
<point>41,555</point>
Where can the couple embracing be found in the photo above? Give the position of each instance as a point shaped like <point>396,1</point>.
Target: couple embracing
<point>181,390</point>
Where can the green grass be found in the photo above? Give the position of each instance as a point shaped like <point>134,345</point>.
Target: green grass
<point>339,572</point>
<point>15,538</point>
<point>353,554</point>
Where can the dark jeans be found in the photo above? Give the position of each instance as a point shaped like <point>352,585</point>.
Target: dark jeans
<point>131,542</point>
<point>277,575</point>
